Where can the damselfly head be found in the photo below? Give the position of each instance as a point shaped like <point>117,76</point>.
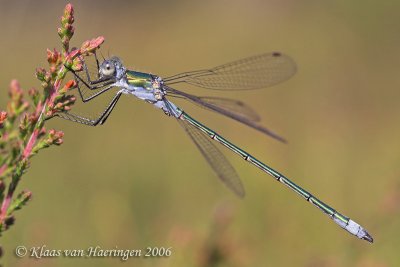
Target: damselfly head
<point>110,67</point>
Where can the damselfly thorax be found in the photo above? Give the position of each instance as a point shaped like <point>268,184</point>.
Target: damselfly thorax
<point>145,86</point>
<point>152,83</point>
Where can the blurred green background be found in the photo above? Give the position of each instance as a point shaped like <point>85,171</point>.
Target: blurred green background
<point>138,181</point>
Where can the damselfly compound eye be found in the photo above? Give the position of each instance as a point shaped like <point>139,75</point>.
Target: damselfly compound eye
<point>107,69</point>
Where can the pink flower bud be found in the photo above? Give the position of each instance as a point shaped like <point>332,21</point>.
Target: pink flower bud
<point>53,57</point>
<point>74,53</point>
<point>26,195</point>
<point>55,137</point>
<point>33,92</point>
<point>70,84</point>
<point>69,10</point>
<point>15,91</point>
<point>3,117</point>
<point>41,74</point>
<point>91,45</point>
<point>17,103</point>
<point>33,118</point>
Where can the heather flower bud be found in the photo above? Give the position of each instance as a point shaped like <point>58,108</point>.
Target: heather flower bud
<point>15,91</point>
<point>24,126</point>
<point>67,30</point>
<point>34,94</point>
<point>41,74</point>
<point>55,137</point>
<point>3,117</point>
<point>68,16</point>
<point>20,201</point>
<point>91,45</point>
<point>73,60</point>
<point>63,103</point>
<point>53,57</point>
<point>25,196</point>
<point>74,53</point>
<point>17,104</point>
<point>77,64</point>
<point>33,118</point>
<point>68,86</point>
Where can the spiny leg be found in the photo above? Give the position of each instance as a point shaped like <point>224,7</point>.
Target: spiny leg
<point>104,88</point>
<point>99,79</point>
<point>110,108</point>
<point>91,122</point>
<point>92,85</point>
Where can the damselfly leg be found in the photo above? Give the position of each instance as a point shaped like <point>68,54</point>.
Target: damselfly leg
<point>90,89</point>
<point>98,86</point>
<point>89,121</point>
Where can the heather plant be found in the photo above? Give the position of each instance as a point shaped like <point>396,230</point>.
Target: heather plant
<point>22,123</point>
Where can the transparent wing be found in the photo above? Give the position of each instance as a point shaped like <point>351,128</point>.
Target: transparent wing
<point>233,109</point>
<point>224,170</point>
<point>233,106</point>
<point>255,72</point>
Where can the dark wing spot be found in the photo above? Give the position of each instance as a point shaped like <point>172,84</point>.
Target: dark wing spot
<point>276,54</point>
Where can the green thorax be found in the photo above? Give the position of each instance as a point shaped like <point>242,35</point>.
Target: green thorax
<point>140,79</point>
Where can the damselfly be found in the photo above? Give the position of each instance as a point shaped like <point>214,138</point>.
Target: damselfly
<point>250,73</point>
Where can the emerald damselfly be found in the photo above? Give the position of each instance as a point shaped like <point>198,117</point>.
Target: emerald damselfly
<point>255,72</point>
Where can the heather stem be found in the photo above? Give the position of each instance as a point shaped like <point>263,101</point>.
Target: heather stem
<point>2,169</point>
<point>32,140</point>
<point>28,150</point>
<point>11,189</point>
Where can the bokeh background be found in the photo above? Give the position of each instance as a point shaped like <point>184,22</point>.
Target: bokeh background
<point>139,182</point>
